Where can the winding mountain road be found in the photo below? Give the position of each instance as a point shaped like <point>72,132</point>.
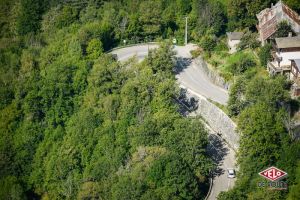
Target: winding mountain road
<point>191,76</point>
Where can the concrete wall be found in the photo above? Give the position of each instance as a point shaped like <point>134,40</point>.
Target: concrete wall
<point>216,119</point>
<point>212,75</point>
<point>233,45</point>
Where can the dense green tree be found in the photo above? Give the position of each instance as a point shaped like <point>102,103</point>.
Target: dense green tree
<point>134,29</point>
<point>236,102</point>
<point>162,174</point>
<point>94,49</point>
<point>9,118</point>
<point>152,174</point>
<point>283,29</point>
<point>208,43</point>
<point>233,194</point>
<point>242,13</point>
<point>210,16</point>
<point>74,123</point>
<point>5,17</point>
<point>265,54</point>
<point>9,66</point>
<point>293,4</point>
<point>183,6</point>
<point>121,111</point>
<point>150,18</point>
<point>240,66</point>
<point>272,91</point>
<point>11,188</point>
<point>249,40</point>
<point>162,59</point>
<point>294,190</point>
<point>66,16</point>
<point>29,17</point>
<point>261,130</point>
<point>264,140</point>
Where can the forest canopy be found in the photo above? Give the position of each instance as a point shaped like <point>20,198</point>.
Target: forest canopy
<point>77,124</point>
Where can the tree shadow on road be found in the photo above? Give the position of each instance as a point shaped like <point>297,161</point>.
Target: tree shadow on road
<point>181,64</point>
<point>217,151</point>
<point>186,104</point>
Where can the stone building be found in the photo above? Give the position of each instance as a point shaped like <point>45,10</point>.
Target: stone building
<point>233,39</point>
<point>284,50</point>
<point>286,60</point>
<point>270,17</point>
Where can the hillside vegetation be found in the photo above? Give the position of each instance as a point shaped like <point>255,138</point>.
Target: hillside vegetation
<point>77,124</point>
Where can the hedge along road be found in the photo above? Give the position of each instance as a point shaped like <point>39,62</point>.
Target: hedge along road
<point>194,79</point>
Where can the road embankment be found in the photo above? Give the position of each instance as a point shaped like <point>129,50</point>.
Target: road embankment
<point>216,119</point>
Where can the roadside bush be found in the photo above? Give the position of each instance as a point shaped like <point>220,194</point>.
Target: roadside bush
<point>236,102</point>
<point>215,63</point>
<point>221,46</point>
<point>265,54</point>
<point>249,40</point>
<point>208,43</point>
<point>195,53</point>
<point>94,49</point>
<point>241,65</point>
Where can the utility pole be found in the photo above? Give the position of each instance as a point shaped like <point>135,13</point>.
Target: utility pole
<point>185,40</point>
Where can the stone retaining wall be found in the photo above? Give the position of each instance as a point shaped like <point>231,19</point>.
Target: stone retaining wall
<point>212,75</point>
<point>216,119</point>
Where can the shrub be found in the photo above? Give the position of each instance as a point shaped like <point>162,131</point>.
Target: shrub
<point>221,46</point>
<point>94,49</point>
<point>249,40</point>
<point>283,29</point>
<point>215,63</point>
<point>208,43</point>
<point>242,64</point>
<point>195,53</point>
<point>265,54</point>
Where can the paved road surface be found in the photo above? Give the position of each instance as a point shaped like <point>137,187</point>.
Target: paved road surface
<point>192,77</point>
<point>140,51</point>
<point>224,157</point>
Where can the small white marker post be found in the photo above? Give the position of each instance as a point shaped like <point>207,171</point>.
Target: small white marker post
<point>174,41</point>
